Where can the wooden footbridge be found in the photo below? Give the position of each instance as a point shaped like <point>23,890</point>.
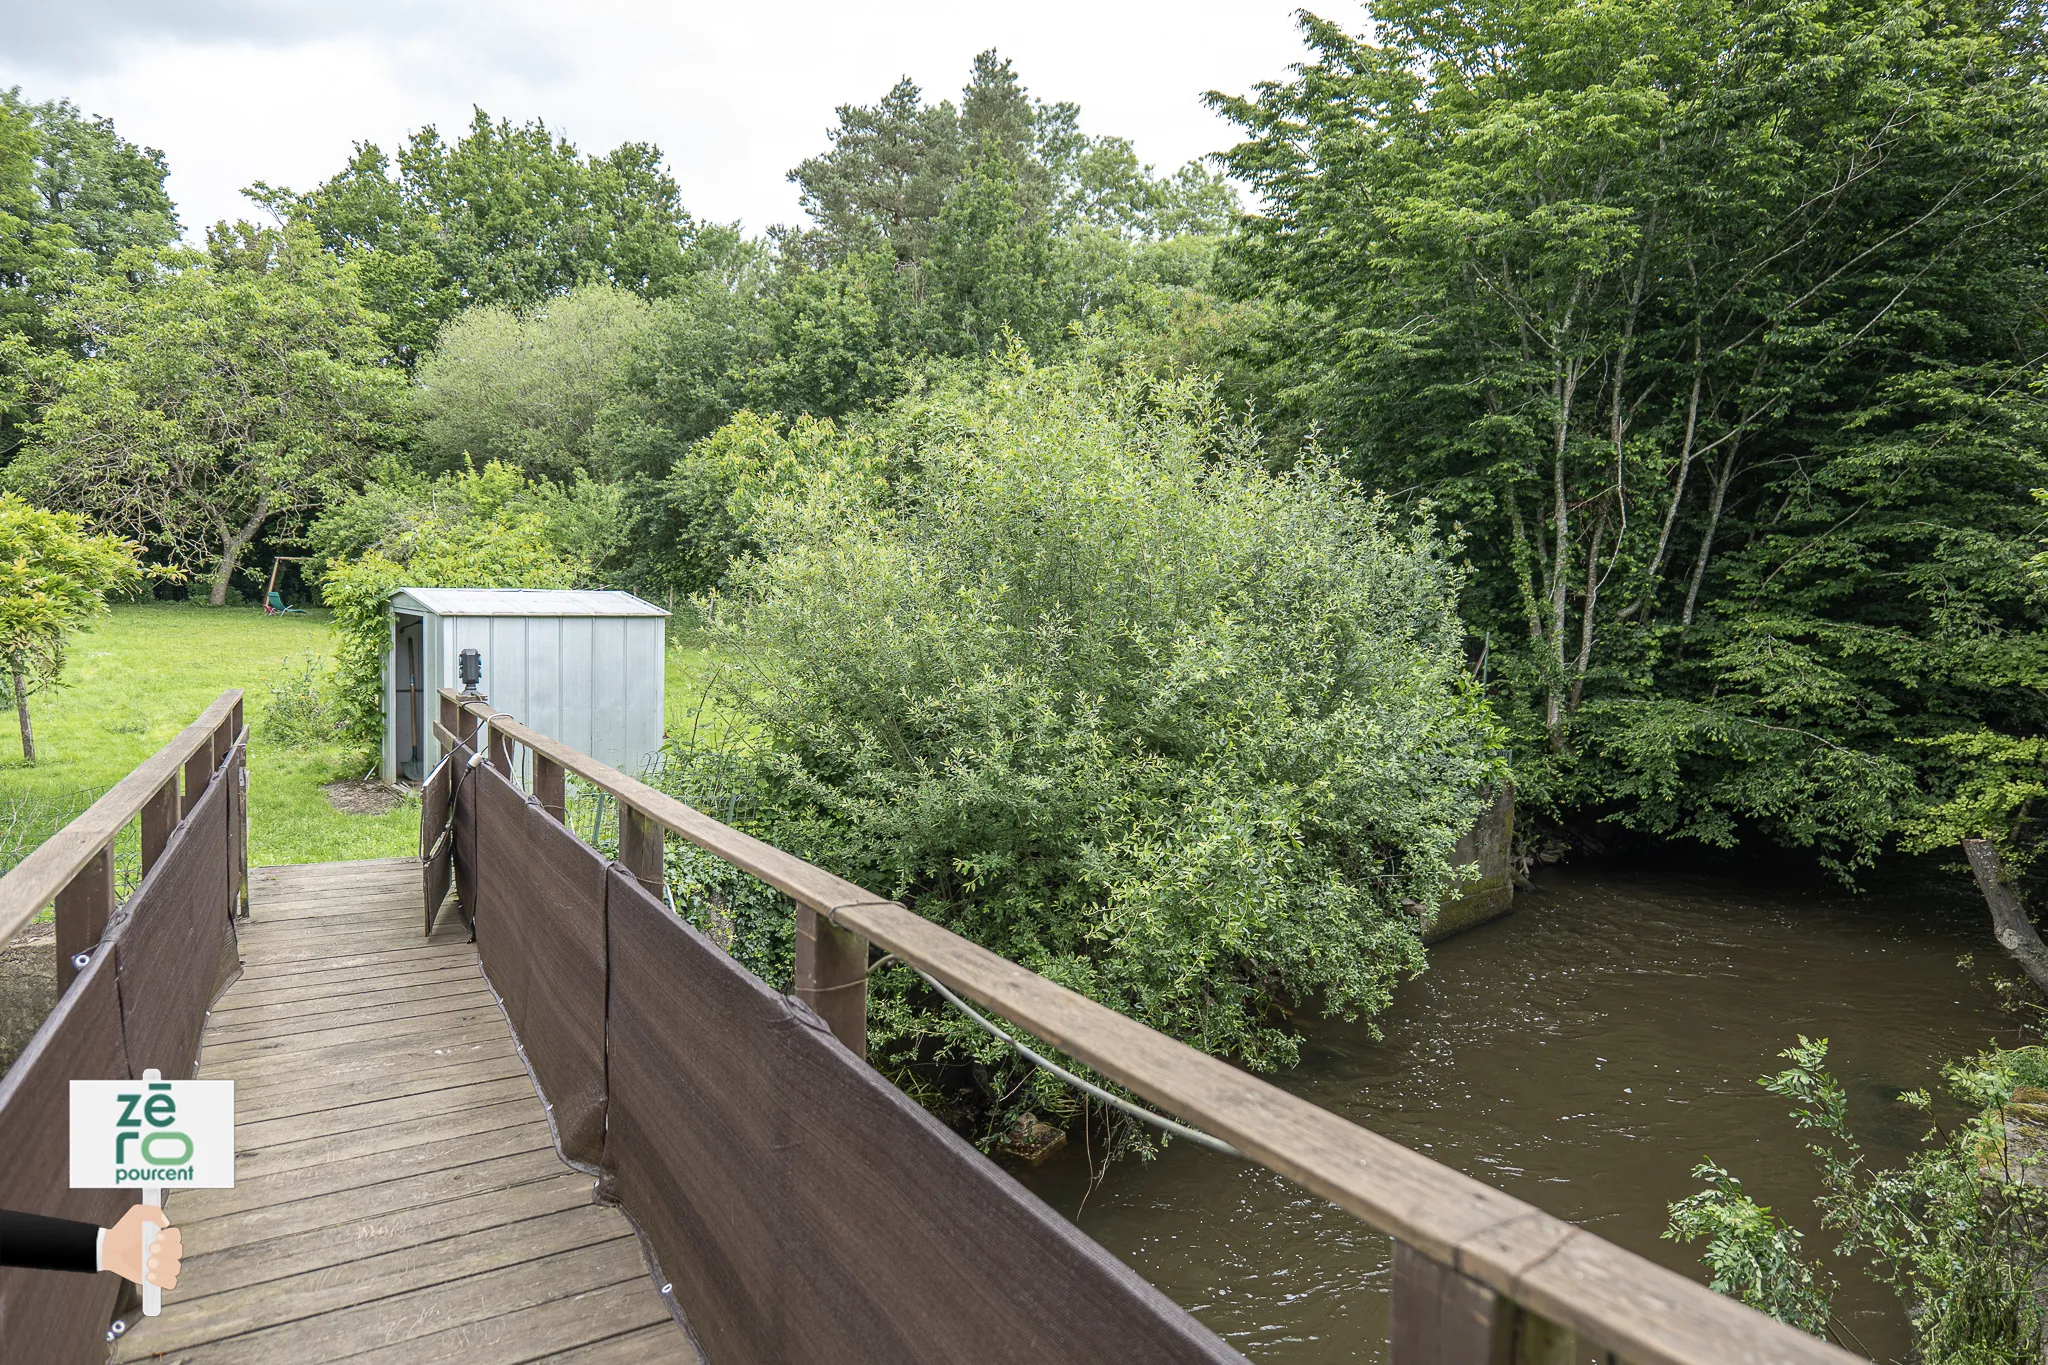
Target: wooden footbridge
<point>549,1120</point>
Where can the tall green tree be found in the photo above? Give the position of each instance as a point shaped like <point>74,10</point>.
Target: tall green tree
<point>55,577</point>
<point>1720,325</point>
<point>107,191</point>
<point>939,231</point>
<point>527,386</point>
<point>226,392</point>
<point>506,214</point>
<point>73,195</point>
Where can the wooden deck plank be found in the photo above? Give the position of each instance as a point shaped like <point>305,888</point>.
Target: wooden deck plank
<point>282,968</point>
<point>303,1017</point>
<point>361,1067</point>
<point>541,1332</point>
<point>357,1283</point>
<point>402,1319</point>
<point>631,1348</point>
<point>399,1196</point>
<point>284,1180</point>
<point>310,1013</point>
<point>277,1258</point>
<point>386,1125</point>
<point>282,1101</point>
<point>346,983</point>
<point>263,1054</point>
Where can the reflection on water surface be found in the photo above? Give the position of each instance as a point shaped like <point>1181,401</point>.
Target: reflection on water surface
<point>1582,1054</point>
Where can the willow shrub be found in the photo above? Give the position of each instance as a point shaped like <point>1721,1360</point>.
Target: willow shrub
<point>1091,687</point>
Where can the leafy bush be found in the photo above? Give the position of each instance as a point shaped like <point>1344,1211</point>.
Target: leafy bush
<point>716,490</point>
<point>299,713</point>
<point>478,529</point>
<point>1095,689</point>
<point>1960,1232</point>
<point>1754,1254</point>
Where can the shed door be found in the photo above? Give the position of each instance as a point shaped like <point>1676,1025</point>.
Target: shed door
<point>410,719</point>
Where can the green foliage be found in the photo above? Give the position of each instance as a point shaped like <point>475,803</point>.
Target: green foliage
<point>73,195</point>
<point>299,713</point>
<point>1753,1254</point>
<point>719,489</point>
<point>1094,689</point>
<point>1960,1232</point>
<point>475,529</point>
<point>893,167</point>
<point>942,232</point>
<point>225,393</point>
<point>507,214</point>
<point>107,192</point>
<point>1718,325</point>
<point>55,578</point>
<point>527,387</point>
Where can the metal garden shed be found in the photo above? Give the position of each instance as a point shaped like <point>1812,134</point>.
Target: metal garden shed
<point>581,667</point>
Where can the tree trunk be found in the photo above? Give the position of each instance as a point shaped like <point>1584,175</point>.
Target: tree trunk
<point>2009,922</point>
<point>232,543</point>
<point>1699,568</point>
<point>28,731</point>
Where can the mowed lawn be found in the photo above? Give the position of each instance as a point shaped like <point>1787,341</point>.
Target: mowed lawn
<point>144,673</point>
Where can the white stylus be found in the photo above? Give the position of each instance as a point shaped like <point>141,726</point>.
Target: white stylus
<point>152,1296</point>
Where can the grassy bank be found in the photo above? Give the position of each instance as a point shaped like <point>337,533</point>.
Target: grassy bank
<point>143,674</point>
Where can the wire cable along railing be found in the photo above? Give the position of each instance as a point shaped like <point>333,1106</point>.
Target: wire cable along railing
<point>1479,1276</point>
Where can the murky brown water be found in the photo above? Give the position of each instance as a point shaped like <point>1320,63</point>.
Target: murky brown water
<point>1582,1054</point>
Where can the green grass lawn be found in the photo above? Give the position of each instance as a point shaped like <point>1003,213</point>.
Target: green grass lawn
<point>145,672</point>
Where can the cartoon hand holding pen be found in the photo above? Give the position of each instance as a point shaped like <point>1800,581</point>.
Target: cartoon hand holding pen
<point>33,1242</point>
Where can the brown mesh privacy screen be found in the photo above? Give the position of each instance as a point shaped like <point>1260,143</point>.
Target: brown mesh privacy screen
<point>237,817</point>
<point>464,797</point>
<point>51,1315</point>
<point>540,933</point>
<point>436,848</point>
<point>806,1209</point>
<point>175,947</point>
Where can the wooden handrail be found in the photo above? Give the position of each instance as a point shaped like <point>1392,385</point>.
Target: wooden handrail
<point>1473,1264</point>
<point>38,879</point>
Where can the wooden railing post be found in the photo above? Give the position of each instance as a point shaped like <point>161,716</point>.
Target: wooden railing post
<point>451,716</point>
<point>832,977</point>
<point>551,787</point>
<point>82,911</point>
<point>467,729</point>
<point>1539,1341</point>
<point>641,848</point>
<point>159,818</point>
<point>198,770</point>
<point>501,751</point>
<point>1443,1317</point>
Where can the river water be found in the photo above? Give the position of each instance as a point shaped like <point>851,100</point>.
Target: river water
<point>1582,1054</point>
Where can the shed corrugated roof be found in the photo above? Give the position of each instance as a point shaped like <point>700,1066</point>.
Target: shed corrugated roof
<point>523,602</point>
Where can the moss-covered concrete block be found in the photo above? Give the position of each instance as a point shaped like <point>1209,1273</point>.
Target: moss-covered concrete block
<point>1491,893</point>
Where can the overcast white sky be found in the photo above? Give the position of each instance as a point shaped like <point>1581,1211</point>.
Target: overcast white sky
<point>234,91</point>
